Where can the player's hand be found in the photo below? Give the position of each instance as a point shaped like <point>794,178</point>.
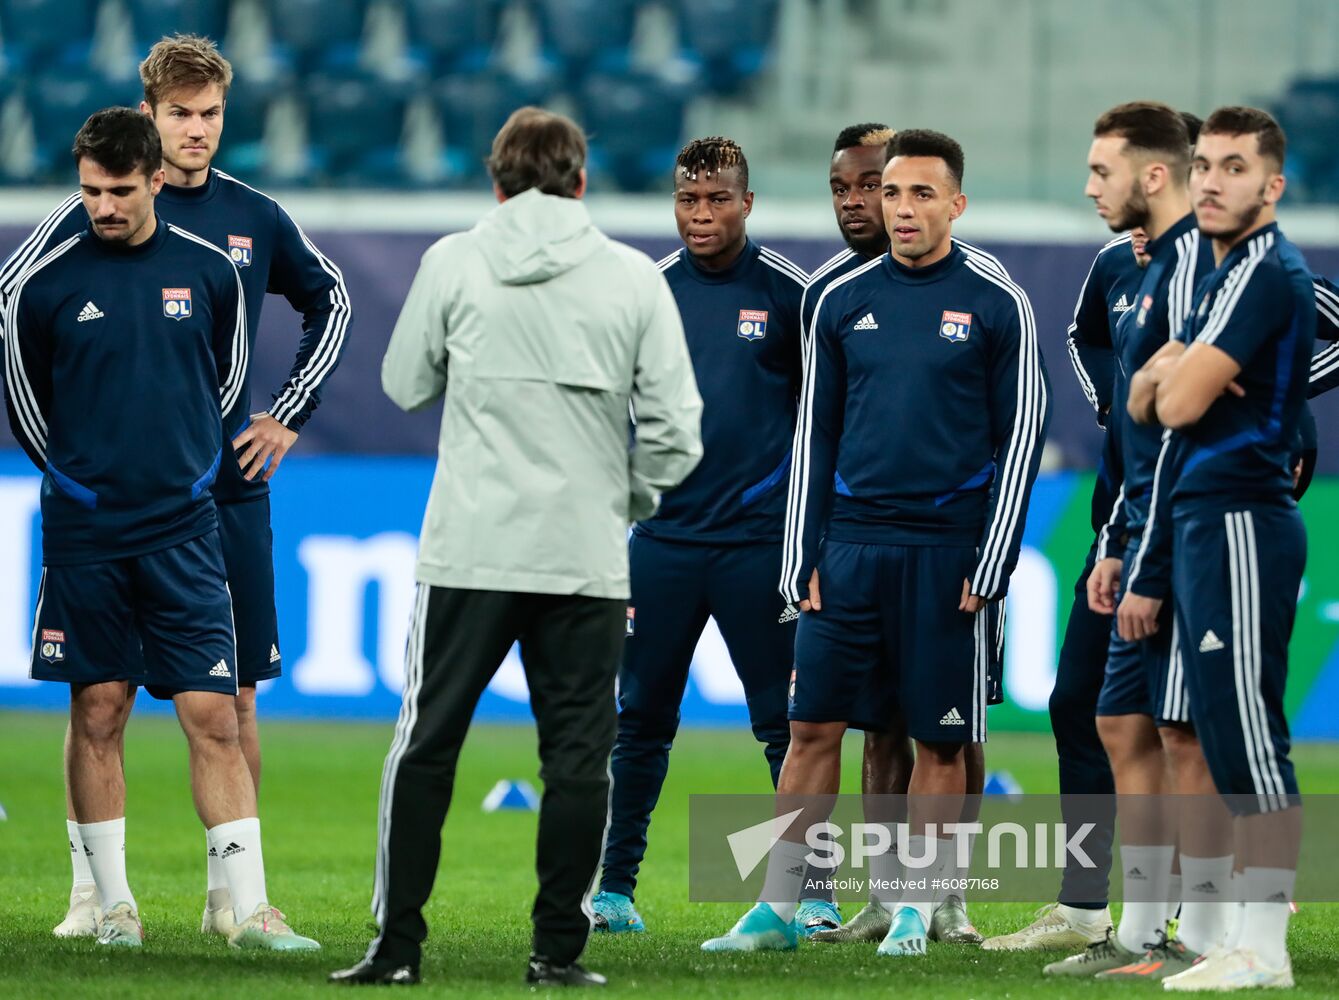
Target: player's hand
<point>265,440</point>
<point>815,602</point>
<point>1102,584</point>
<point>969,602</point>
<point>1137,617</point>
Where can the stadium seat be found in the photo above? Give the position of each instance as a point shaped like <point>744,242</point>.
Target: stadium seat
<point>453,36</point>
<point>317,35</point>
<point>355,123</point>
<point>243,151</point>
<point>472,107</point>
<point>1309,113</point>
<point>730,39</point>
<point>59,104</point>
<point>44,33</point>
<point>579,36</point>
<point>635,121</point>
<point>151,20</point>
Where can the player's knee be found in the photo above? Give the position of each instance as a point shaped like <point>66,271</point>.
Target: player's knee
<point>941,754</point>
<point>1182,747</point>
<point>815,737</point>
<point>97,716</point>
<point>245,705</point>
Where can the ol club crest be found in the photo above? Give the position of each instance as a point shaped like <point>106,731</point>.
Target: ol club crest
<point>176,303</point>
<point>239,250</point>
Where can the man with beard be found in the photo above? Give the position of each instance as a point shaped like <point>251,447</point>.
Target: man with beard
<point>1232,400</point>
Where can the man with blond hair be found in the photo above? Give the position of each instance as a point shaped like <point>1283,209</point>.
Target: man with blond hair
<point>186,83</point>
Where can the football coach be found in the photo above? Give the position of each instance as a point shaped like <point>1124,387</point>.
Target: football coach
<point>540,332</point>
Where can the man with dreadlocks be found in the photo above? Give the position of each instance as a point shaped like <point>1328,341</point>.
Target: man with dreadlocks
<point>714,547</point>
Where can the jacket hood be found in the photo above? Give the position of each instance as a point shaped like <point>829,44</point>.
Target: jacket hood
<point>534,237</point>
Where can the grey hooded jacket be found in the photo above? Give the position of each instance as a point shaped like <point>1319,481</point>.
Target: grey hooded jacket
<point>540,332</point>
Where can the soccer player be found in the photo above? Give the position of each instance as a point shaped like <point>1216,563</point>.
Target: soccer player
<point>124,344</point>
<point>1138,169</point>
<point>1233,399</point>
<point>896,540</point>
<point>854,179</point>
<point>186,84</point>
<point>714,547</point>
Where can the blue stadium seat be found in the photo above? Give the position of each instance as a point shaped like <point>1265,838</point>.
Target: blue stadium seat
<point>312,35</point>
<point>730,39</point>
<point>59,104</point>
<point>472,107</point>
<point>453,36</point>
<point>151,20</point>
<point>579,36</point>
<point>355,123</point>
<point>47,33</point>
<point>1309,114</point>
<point>243,151</point>
<point>635,121</point>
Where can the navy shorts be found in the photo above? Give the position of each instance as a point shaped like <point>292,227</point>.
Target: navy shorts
<point>248,555</point>
<point>890,637</point>
<point>1238,572</point>
<point>1146,677</point>
<point>163,620</point>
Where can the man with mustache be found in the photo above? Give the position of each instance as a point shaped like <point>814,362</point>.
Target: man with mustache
<point>1232,401</point>
<point>129,332</point>
<point>186,83</point>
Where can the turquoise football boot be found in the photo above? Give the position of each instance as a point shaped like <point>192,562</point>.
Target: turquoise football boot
<point>758,930</point>
<point>615,914</point>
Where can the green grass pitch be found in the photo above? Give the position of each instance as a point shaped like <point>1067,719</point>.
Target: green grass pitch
<point>318,808</point>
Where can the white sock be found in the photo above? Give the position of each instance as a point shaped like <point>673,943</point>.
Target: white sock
<point>1078,916</point>
<point>784,882</point>
<point>105,848</point>
<point>886,874</point>
<point>1148,870</point>
<point>945,854</point>
<point>1207,901</point>
<point>238,847</point>
<point>83,875</point>
<point>1265,924</point>
<point>1236,911</point>
<point>216,879</point>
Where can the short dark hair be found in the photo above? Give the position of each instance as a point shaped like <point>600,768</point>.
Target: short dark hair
<point>927,142</point>
<point>1149,127</point>
<point>1237,120</point>
<point>120,141</point>
<point>864,134</point>
<point>1193,124</point>
<point>712,155</point>
<point>538,149</point>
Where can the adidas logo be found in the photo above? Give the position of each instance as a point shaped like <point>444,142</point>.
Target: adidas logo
<point>797,870</point>
<point>1135,873</point>
<point>1206,887</point>
<point>274,653</point>
<point>866,322</point>
<point>1278,897</point>
<point>233,848</point>
<point>213,852</point>
<point>1122,305</point>
<point>952,718</point>
<point>90,311</point>
<point>789,615</point>
<point>1210,643</point>
<point>220,669</point>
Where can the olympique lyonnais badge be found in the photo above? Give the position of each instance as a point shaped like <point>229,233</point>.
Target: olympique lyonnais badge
<point>176,303</point>
<point>752,324</point>
<point>1144,307</point>
<point>632,621</point>
<point>955,326</point>
<point>239,249</point>
<point>53,645</point>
